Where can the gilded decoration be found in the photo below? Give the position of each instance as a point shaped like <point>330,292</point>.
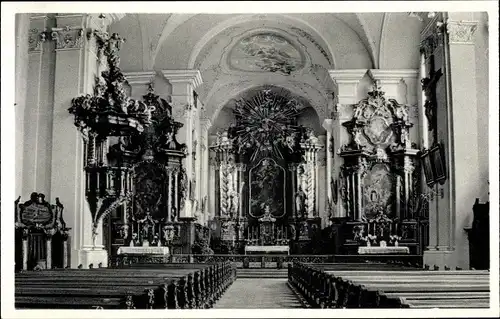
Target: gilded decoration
<point>378,160</point>
<point>269,114</point>
<point>265,52</point>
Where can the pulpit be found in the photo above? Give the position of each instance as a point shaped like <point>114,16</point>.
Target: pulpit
<point>42,238</point>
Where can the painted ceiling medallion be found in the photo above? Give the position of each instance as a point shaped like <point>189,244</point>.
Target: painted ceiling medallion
<point>265,52</point>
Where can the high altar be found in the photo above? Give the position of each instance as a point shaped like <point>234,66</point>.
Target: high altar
<point>267,176</point>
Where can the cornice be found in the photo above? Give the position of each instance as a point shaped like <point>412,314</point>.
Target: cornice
<point>347,76</point>
<point>192,77</point>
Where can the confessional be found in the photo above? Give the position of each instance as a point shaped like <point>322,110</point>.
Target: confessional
<point>42,240</point>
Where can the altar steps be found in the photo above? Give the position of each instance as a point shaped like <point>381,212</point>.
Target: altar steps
<point>262,273</point>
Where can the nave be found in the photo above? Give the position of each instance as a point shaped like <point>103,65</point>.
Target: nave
<point>223,286</point>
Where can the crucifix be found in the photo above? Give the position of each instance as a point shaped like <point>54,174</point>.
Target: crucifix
<point>429,87</point>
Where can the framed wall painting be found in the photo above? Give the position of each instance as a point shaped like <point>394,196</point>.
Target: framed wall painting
<point>428,168</point>
<point>438,163</point>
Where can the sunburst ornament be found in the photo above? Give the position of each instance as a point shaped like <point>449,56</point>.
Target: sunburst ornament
<point>266,124</point>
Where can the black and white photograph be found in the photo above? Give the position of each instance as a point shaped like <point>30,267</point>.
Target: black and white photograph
<point>265,159</point>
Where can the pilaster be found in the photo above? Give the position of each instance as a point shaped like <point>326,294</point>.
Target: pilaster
<point>77,64</point>
<point>39,99</point>
<point>464,184</point>
<point>183,83</point>
<point>347,82</point>
<point>21,69</point>
<point>139,82</point>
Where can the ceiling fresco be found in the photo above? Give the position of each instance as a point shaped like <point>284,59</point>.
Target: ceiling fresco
<point>265,52</point>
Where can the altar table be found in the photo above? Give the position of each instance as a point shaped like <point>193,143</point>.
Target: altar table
<point>266,249</point>
<point>143,250</point>
<point>388,250</point>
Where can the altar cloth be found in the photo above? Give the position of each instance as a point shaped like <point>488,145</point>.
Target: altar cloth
<point>377,250</point>
<point>141,250</point>
<point>266,249</point>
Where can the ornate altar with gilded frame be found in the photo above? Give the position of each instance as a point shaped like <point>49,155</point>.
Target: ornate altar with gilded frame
<point>378,177</point>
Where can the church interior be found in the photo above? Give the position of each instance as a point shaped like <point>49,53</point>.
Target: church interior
<point>218,148</point>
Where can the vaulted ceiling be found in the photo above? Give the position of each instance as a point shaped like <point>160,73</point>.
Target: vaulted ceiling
<point>236,52</point>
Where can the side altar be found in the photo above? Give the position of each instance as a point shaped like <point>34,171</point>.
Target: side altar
<point>380,180</point>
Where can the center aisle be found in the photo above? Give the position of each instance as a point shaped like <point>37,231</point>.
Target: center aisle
<point>261,293</point>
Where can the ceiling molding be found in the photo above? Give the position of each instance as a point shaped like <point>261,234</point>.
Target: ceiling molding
<point>240,19</point>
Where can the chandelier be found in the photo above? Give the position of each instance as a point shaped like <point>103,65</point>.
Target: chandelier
<point>265,124</point>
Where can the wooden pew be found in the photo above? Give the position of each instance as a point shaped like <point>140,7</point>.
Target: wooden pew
<point>197,286</point>
<point>324,287</point>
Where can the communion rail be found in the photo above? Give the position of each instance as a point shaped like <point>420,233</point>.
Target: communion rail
<point>266,260</point>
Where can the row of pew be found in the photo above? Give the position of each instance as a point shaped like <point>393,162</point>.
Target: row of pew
<point>166,286</point>
<point>388,286</point>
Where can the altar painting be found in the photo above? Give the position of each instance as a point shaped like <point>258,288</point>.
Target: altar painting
<point>378,191</point>
<point>267,188</point>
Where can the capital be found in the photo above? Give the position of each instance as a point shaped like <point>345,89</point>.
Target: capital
<point>461,32</point>
<point>205,124</point>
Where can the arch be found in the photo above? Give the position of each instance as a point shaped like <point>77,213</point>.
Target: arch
<point>243,19</point>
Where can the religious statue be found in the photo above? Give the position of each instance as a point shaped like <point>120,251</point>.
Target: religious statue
<point>300,198</point>
<point>234,202</point>
<point>123,231</point>
<point>173,214</point>
<point>292,232</point>
<point>146,223</point>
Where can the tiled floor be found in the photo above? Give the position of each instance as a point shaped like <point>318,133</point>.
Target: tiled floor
<point>258,293</point>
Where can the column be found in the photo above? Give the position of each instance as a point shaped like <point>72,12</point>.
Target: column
<point>205,125</point>
<point>346,94</point>
<point>183,83</point>
<point>38,118</point>
<point>25,237</point>
<point>48,243</point>
<point>329,174</point>
<point>463,185</point>
<point>139,82</point>
<point>75,70</point>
